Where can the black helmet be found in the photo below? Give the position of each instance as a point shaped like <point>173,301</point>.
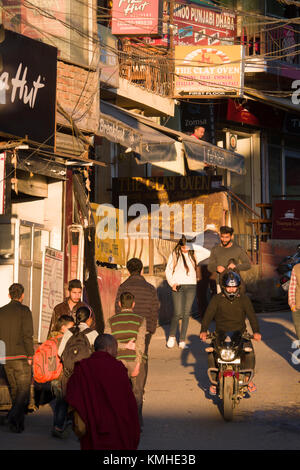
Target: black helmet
<point>231,279</point>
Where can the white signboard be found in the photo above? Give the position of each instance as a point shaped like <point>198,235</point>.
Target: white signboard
<point>52,290</point>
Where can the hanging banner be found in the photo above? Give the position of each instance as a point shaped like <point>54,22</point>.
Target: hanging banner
<point>198,25</point>
<point>137,17</point>
<point>52,289</point>
<point>209,71</point>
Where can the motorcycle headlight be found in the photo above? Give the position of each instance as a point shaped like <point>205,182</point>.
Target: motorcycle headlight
<point>227,354</point>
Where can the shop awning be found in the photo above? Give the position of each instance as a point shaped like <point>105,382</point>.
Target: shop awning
<point>199,152</point>
<point>122,127</point>
<point>156,143</point>
<point>283,103</point>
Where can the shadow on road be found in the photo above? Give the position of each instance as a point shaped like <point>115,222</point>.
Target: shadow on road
<point>279,338</point>
<point>195,357</point>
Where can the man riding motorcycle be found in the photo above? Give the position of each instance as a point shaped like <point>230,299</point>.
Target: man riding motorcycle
<point>229,309</point>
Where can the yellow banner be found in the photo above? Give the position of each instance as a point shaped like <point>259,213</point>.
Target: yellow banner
<point>109,248</point>
<point>202,71</point>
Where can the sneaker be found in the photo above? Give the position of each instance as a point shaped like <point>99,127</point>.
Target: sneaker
<point>182,345</point>
<point>251,387</point>
<point>61,433</point>
<point>171,342</point>
<point>16,428</point>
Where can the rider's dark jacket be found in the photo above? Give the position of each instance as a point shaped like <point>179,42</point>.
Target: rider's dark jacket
<point>230,315</point>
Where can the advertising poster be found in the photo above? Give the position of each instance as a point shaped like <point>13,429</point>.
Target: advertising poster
<point>198,25</point>
<point>52,290</point>
<point>137,17</point>
<point>209,71</point>
<point>286,220</point>
<point>109,248</point>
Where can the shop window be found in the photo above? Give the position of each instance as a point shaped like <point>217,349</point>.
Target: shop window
<point>25,244</point>
<point>275,171</point>
<point>275,8</point>
<point>7,235</point>
<point>292,176</point>
<point>242,184</point>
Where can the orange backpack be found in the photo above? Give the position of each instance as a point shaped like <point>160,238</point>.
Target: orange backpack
<point>46,363</point>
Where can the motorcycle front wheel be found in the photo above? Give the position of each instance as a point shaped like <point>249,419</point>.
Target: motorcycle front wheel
<point>228,403</point>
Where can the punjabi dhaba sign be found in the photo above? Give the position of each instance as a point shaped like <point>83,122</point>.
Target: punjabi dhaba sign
<point>198,25</point>
<point>137,17</point>
<point>209,71</point>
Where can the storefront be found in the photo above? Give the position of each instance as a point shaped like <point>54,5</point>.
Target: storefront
<point>32,187</point>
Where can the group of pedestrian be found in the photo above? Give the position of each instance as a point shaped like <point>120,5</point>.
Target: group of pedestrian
<point>95,383</point>
<point>98,380</point>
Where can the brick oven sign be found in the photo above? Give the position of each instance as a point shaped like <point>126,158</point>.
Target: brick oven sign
<point>137,18</point>
<point>286,220</point>
<point>27,88</point>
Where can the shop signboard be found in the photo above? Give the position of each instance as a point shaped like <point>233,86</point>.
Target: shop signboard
<point>216,71</point>
<point>52,289</point>
<point>28,88</point>
<point>286,219</point>
<point>137,17</point>
<point>163,189</point>
<point>198,25</point>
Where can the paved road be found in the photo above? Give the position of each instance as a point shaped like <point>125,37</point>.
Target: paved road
<point>178,414</point>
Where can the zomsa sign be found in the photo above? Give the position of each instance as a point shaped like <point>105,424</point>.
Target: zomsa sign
<point>137,17</point>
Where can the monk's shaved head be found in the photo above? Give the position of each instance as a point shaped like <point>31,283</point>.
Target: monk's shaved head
<point>106,343</point>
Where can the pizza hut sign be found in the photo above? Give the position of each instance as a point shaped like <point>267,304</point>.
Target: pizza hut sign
<point>137,18</point>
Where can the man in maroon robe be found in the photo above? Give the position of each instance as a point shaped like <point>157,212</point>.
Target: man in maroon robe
<point>100,391</point>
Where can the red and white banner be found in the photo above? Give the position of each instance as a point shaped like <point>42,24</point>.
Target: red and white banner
<point>198,25</point>
<point>137,17</point>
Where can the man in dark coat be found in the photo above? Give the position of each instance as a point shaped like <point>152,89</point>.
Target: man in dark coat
<point>16,332</point>
<point>146,305</point>
<point>100,392</point>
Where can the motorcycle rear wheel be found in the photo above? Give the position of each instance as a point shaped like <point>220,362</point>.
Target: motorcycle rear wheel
<point>228,403</point>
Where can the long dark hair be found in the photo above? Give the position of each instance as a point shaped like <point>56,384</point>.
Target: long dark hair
<point>82,315</point>
<point>178,252</point>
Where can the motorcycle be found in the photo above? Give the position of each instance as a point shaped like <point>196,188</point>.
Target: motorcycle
<point>231,381</point>
<point>285,270</point>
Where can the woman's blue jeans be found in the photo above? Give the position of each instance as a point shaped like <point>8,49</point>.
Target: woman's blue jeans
<point>182,302</point>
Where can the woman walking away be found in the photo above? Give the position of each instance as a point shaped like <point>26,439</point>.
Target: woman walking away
<point>182,273</point>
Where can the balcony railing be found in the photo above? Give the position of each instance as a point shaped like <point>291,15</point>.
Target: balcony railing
<point>274,41</point>
<point>149,71</point>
